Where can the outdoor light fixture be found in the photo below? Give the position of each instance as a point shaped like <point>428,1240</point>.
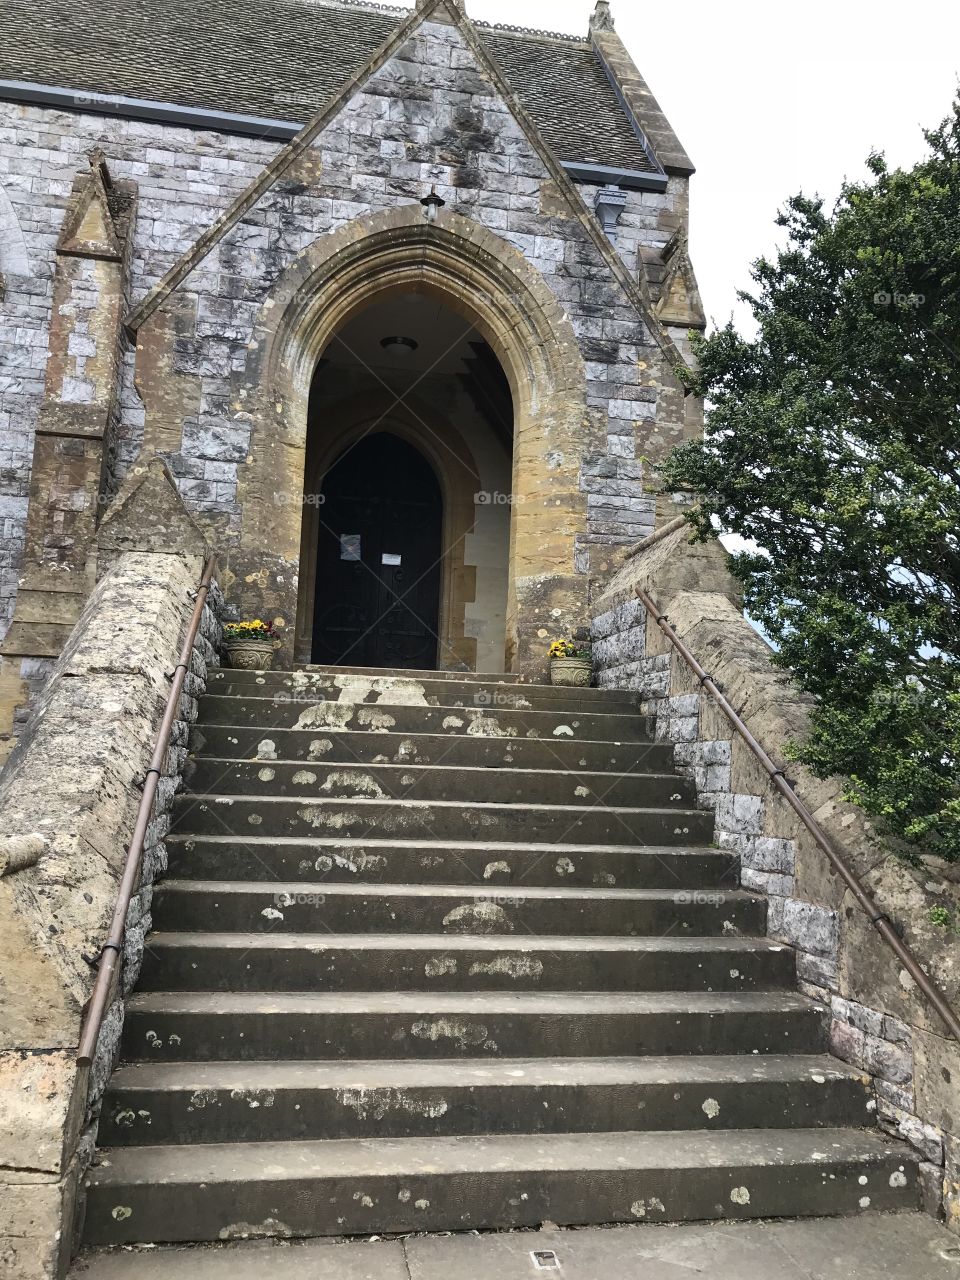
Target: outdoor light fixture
<point>399,346</point>
<point>432,204</point>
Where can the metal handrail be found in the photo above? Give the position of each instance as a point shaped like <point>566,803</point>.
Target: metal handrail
<point>778,776</point>
<point>112,948</point>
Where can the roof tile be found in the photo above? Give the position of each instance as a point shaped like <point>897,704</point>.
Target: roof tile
<point>283,59</point>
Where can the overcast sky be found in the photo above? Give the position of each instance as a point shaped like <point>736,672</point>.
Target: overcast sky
<point>770,99</point>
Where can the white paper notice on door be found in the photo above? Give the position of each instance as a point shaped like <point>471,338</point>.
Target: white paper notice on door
<point>350,546</point>
<point>389,558</point>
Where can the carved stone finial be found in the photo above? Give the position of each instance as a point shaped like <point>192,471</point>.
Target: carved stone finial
<point>88,228</point>
<point>602,19</point>
<point>98,161</point>
<point>679,302</point>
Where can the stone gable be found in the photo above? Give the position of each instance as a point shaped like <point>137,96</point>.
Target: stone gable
<point>429,117</point>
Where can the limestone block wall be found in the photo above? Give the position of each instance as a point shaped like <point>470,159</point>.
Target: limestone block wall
<point>879,1021</point>
<point>25,300</point>
<point>185,177</point>
<point>72,784</point>
<point>429,117</point>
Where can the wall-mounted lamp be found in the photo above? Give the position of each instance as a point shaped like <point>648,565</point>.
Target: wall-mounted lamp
<point>432,204</point>
<point>398,346</point>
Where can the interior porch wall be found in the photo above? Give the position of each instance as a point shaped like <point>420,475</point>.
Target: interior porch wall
<point>487,547</point>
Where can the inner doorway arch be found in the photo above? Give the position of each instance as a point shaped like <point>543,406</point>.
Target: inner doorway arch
<point>379,554</point>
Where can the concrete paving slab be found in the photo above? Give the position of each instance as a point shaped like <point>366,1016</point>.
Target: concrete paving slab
<point>250,1260</point>
<point>871,1248</point>
<point>628,1253</point>
<point>890,1246</point>
<point>874,1247</point>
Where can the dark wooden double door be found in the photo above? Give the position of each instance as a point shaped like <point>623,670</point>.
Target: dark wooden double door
<point>379,558</point>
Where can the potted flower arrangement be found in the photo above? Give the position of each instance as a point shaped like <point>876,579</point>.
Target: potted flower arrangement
<point>249,645</point>
<point>571,663</point>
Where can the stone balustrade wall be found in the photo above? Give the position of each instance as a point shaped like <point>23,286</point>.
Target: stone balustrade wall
<point>878,1021</point>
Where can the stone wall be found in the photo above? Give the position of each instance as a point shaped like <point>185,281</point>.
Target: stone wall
<point>185,178</point>
<point>880,1023</point>
<point>72,785</point>
<point>428,117</point>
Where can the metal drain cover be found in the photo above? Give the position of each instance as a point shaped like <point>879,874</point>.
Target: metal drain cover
<point>545,1260</point>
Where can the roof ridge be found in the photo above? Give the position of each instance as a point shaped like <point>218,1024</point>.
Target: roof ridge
<point>507,28</point>
<point>369,5</point>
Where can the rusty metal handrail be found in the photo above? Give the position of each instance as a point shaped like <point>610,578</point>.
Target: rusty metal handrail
<point>778,777</point>
<point>111,949</point>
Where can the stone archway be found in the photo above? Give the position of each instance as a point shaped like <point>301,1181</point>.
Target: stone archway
<point>476,273</point>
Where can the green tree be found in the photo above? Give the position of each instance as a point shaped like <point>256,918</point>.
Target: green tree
<point>833,445</point>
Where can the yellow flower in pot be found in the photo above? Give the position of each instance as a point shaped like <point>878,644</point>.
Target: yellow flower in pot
<point>249,646</point>
<point>571,663</point>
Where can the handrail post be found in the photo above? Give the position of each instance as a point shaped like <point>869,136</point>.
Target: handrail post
<point>930,990</point>
<point>112,948</point>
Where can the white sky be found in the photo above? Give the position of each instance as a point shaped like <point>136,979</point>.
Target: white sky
<point>770,99</point>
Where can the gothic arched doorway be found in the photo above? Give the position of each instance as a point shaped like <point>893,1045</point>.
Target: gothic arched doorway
<point>439,394</point>
<point>379,555</point>
<point>515,562</point>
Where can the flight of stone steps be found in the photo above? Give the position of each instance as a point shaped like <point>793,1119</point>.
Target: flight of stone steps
<point>444,952</point>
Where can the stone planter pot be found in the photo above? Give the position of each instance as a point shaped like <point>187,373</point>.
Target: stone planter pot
<point>249,655</point>
<point>573,672</point>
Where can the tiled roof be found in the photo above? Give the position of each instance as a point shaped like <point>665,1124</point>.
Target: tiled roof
<point>281,59</point>
<point>567,93</point>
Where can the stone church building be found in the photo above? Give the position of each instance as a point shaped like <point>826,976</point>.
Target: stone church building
<point>399,287</point>
<point>376,324</point>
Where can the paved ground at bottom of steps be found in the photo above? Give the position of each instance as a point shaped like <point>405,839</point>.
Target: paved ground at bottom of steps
<point>875,1247</point>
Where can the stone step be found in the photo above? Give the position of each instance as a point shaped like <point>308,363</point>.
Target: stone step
<point>246,1026</point>
<point>374,962</point>
<point>488,693</point>
<point>235,742</point>
<point>341,781</point>
<point>360,1187</point>
<point>173,1103</point>
<point>256,858</point>
<point>616,725</point>
<point>238,906</point>
<point>401,673</point>
<point>352,820</point>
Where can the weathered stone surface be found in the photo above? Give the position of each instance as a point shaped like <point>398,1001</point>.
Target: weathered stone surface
<point>868,966</point>
<point>880,1023</point>
<point>951,1183</point>
<point>148,514</point>
<point>937,1079</point>
<point>19,852</point>
<point>73,444</point>
<point>93,734</point>
<point>92,731</point>
<point>35,1243</point>
<point>40,1113</point>
<point>570,319</point>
